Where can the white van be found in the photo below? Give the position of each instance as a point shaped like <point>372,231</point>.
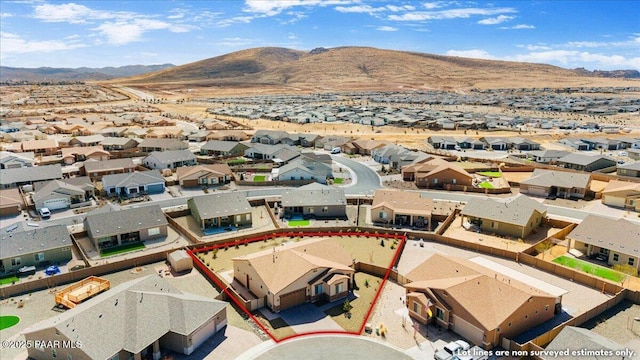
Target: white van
<point>44,213</point>
<point>335,150</point>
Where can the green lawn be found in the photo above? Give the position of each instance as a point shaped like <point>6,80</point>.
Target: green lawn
<point>122,249</point>
<point>493,174</point>
<point>8,321</point>
<point>338,180</point>
<point>590,268</point>
<point>486,185</point>
<point>259,178</point>
<point>298,222</point>
<point>9,280</point>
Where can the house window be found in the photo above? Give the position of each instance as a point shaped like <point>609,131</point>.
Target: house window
<point>382,215</point>
<point>453,181</point>
<point>154,231</point>
<point>546,308</point>
<point>338,288</point>
<point>631,261</point>
<point>15,261</point>
<point>39,257</point>
<point>325,209</point>
<point>247,217</point>
<point>416,307</point>
<point>435,181</point>
<point>615,257</point>
<point>317,290</point>
<point>439,313</point>
<point>494,225</point>
<point>238,218</point>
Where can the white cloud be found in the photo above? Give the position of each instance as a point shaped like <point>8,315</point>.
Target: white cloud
<point>496,20</point>
<point>432,5</point>
<point>565,58</point>
<point>586,44</point>
<point>12,43</point>
<point>534,47</point>
<point>474,54</point>
<point>275,7</point>
<point>396,8</point>
<point>361,9</point>
<point>292,37</point>
<point>6,15</point>
<point>122,32</point>
<point>71,13</point>
<point>386,28</point>
<point>518,27</point>
<point>236,42</point>
<point>450,14</point>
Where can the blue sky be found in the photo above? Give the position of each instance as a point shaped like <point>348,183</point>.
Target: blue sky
<point>591,34</point>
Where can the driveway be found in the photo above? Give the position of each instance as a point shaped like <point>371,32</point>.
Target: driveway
<point>308,318</point>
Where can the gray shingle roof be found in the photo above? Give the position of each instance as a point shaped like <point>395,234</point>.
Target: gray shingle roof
<point>219,145</point>
<point>314,194</point>
<point>516,210</point>
<point>91,166</point>
<point>29,241</point>
<point>131,316</point>
<point>137,178</point>
<point>57,186</point>
<point>582,159</point>
<point>630,166</point>
<point>35,173</point>
<point>576,338</point>
<point>564,179</point>
<point>224,204</point>
<point>317,168</point>
<point>124,221</point>
<point>171,156</point>
<point>618,235</point>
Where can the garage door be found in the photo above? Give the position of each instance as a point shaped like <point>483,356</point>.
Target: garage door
<point>613,200</point>
<point>293,298</point>
<point>55,204</point>
<point>467,330</point>
<point>535,191</point>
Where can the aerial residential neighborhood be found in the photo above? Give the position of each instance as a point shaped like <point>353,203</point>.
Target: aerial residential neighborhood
<point>324,203</point>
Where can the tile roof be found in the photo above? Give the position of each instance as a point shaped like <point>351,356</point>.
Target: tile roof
<point>29,241</point>
<point>195,172</point>
<point>516,210</point>
<point>124,221</point>
<point>131,316</point>
<point>405,202</point>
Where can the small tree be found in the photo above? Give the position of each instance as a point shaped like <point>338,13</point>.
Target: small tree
<point>347,307</point>
<point>542,247</point>
<point>382,242</point>
<point>215,253</point>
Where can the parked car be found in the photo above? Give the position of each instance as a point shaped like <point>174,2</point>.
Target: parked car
<point>448,352</point>
<point>45,213</point>
<point>474,353</point>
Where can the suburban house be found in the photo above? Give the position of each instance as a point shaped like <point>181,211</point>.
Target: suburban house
<point>62,194</point>
<point>330,142</point>
<point>118,143</point>
<point>40,147</point>
<point>170,159</point>
<point>365,147</point>
<point>616,239</point>
<point>71,155</point>
<point>474,301</point>
<point>97,169</point>
<point>223,148</point>
<point>588,163</point>
<point>630,143</point>
<point>401,208</point>
<point>443,142</point>
<point>9,160</point>
<point>316,201</point>
<point>602,143</point>
<point>35,247</point>
<point>631,169</point>
<point>622,194</point>
<point>221,210</point>
<point>290,275</point>
<point>573,337</point>
<point>150,145</point>
<point>551,183</point>
<point>546,156</point>
<point>520,143</point>
<point>303,168</point>
<point>516,217</point>
<point>11,202</point>
<point>270,137</point>
<point>133,184</point>
<point>198,136</point>
<point>204,175</point>
<point>28,175</point>
<point>133,320</point>
<point>91,140</point>
<point>278,153</point>
<point>496,143</point>
<point>436,173</point>
<point>122,227</point>
<point>576,144</point>
<point>634,154</point>
<point>471,143</point>
<point>228,135</point>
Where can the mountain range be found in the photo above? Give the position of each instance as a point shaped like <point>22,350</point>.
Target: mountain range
<point>8,74</point>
